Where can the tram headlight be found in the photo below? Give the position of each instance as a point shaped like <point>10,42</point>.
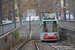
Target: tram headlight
<point>55,33</point>
<point>45,34</point>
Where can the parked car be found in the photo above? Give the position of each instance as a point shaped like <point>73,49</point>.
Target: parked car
<point>33,18</point>
<point>6,21</point>
<point>22,20</point>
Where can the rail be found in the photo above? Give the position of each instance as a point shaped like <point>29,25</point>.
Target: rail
<point>73,46</point>
<point>53,46</point>
<point>36,45</point>
<point>22,44</point>
<point>25,43</point>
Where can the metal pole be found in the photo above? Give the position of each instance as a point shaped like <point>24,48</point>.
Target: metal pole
<point>5,11</point>
<point>64,11</point>
<point>40,11</point>
<point>0,11</point>
<point>56,9</point>
<point>55,5</point>
<point>20,12</point>
<point>60,7</point>
<point>14,13</point>
<point>29,20</point>
<point>74,8</point>
<point>69,9</point>
<point>29,24</point>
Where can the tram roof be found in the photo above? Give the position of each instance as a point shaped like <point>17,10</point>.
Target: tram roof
<point>49,19</point>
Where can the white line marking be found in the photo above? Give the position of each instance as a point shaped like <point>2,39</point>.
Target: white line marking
<point>31,34</point>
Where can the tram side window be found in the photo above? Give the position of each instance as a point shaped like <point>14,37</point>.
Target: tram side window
<point>50,26</point>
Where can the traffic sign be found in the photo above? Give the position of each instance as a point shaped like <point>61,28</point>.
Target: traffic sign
<point>57,6</point>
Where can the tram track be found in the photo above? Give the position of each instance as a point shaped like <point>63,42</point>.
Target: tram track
<point>61,46</point>
<point>38,45</point>
<point>53,46</point>
<point>73,46</point>
<point>18,48</point>
<point>45,46</point>
<point>28,45</point>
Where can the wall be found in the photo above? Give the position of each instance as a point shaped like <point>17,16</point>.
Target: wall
<point>67,30</point>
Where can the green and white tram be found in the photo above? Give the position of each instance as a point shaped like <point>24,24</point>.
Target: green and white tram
<point>49,30</point>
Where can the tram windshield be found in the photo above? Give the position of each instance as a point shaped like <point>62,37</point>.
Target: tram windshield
<point>50,26</point>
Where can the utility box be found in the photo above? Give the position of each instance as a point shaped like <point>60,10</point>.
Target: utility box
<point>17,19</point>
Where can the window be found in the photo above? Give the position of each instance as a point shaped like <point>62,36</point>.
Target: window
<point>50,26</point>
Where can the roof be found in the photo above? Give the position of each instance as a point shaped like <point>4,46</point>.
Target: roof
<point>49,20</point>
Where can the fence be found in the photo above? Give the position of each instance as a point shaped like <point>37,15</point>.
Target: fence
<point>7,27</point>
<point>16,10</point>
<point>67,30</point>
